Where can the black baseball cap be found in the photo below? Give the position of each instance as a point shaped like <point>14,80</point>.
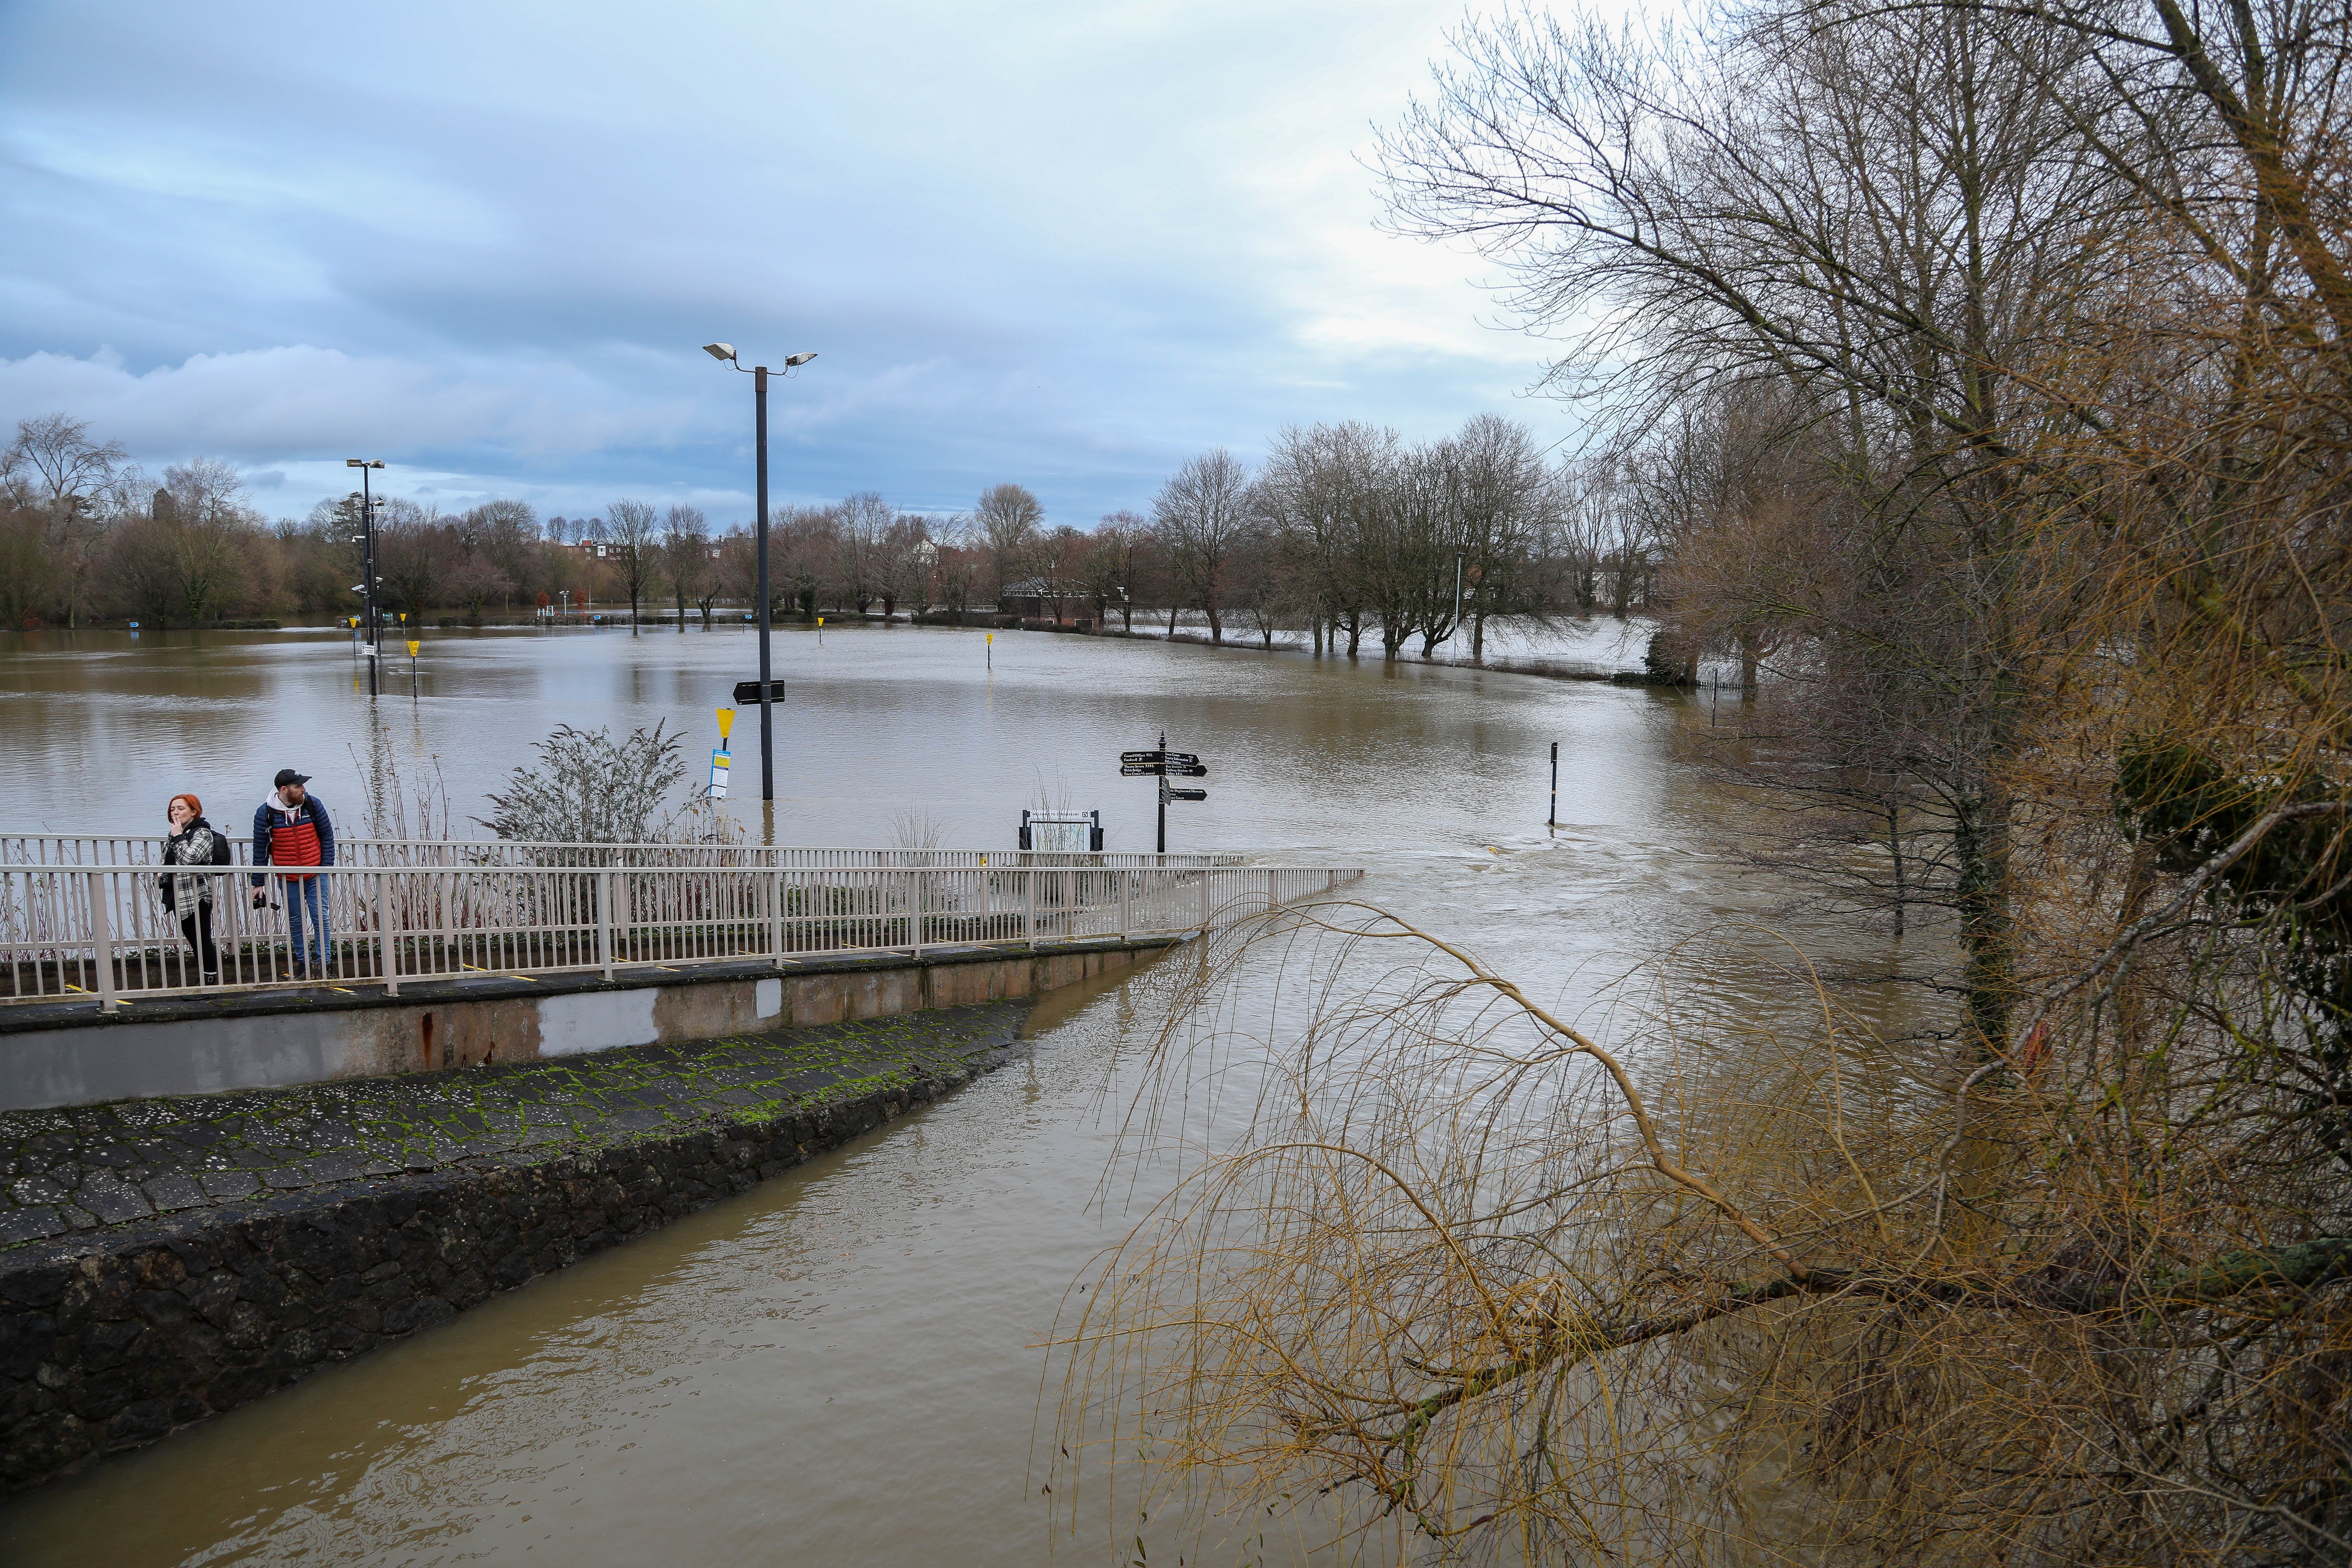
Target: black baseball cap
<point>288,776</point>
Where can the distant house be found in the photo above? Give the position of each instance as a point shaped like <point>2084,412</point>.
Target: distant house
<point>1043,598</point>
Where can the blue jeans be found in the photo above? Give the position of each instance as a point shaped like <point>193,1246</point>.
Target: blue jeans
<point>311,893</point>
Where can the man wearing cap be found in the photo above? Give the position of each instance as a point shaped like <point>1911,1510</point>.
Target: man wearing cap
<point>291,829</point>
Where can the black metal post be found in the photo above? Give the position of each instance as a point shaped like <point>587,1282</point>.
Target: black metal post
<point>1551,819</point>
<point>367,576</point>
<point>767,721</point>
<point>1163,793</point>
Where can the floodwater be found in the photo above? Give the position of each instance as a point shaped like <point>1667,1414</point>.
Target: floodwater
<point>841,1364</point>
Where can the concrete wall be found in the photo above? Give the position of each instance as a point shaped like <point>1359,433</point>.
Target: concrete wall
<point>264,1045</point>
<point>120,1345</point>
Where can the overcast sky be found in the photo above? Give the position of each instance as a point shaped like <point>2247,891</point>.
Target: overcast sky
<point>1064,244</point>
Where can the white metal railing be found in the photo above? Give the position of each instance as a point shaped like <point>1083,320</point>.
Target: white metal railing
<point>100,932</point>
<point>147,849</point>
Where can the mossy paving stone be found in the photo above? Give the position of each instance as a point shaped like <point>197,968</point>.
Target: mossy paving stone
<point>95,1169</point>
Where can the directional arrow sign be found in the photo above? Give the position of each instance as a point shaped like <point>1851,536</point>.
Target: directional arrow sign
<point>1188,794</point>
<point>749,691</point>
<point>1129,770</point>
<point>1186,770</point>
<point>1141,758</point>
<point>1180,758</point>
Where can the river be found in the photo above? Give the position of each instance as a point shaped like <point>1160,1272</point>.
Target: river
<point>841,1364</point>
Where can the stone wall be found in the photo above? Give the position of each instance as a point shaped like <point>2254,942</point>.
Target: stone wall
<point>67,1054</point>
<point>115,1345</point>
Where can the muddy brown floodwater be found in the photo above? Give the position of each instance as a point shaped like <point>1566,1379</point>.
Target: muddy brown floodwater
<point>841,1364</point>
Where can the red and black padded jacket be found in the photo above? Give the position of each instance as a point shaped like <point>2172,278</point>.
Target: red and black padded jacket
<point>301,836</point>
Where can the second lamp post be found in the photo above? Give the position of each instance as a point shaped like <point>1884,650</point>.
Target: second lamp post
<point>725,353</point>
<point>372,638</point>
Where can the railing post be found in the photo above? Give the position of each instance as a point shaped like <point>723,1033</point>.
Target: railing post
<point>776,915</point>
<point>605,920</point>
<point>1270,899</point>
<point>915,912</point>
<point>1029,919</point>
<point>101,941</point>
<point>1125,877</point>
<point>1206,875</point>
<point>387,951</point>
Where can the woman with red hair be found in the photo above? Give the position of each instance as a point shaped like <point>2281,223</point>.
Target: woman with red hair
<point>189,894</point>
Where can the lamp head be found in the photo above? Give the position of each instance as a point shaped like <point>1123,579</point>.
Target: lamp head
<point>799,360</point>
<point>355,462</point>
<point>720,351</point>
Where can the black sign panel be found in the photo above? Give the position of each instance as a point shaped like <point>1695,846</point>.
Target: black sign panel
<point>749,691</point>
<point>1141,758</point>
<point>1188,794</point>
<point>1129,770</point>
<point>1187,771</point>
<point>1180,758</point>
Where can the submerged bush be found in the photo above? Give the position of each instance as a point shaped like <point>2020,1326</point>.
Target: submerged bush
<point>589,788</point>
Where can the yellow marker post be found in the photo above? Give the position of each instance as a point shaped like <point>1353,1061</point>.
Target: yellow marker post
<point>720,759</point>
<point>820,631</point>
<point>991,650</point>
<point>412,645</point>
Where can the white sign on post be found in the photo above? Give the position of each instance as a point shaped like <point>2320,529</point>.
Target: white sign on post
<point>719,761</point>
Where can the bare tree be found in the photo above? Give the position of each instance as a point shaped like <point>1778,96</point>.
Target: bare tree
<point>865,521</point>
<point>506,532</point>
<point>1504,491</point>
<point>1982,367</point>
<point>415,554</point>
<point>685,558</point>
<point>1201,516</point>
<point>633,545</point>
<point>208,535</point>
<point>902,563</point>
<point>67,476</point>
<point>1320,486</point>
<point>1006,526</point>
<point>953,562</point>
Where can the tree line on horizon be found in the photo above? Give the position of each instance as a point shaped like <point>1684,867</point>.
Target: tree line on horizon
<point>1345,532</point>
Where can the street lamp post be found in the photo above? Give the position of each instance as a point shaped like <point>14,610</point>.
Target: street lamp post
<point>725,353</point>
<point>367,561</point>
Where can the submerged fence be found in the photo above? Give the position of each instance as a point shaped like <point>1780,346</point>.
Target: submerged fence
<point>100,931</point>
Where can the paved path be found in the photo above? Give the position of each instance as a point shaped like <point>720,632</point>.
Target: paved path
<point>93,1167</point>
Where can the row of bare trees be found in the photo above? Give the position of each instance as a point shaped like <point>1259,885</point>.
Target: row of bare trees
<point>1986,369</point>
<point>1346,530</point>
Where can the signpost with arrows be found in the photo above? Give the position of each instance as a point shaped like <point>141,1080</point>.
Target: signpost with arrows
<point>1165,764</point>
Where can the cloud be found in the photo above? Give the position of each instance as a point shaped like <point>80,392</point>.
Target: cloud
<point>1065,246</point>
<point>266,402</point>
